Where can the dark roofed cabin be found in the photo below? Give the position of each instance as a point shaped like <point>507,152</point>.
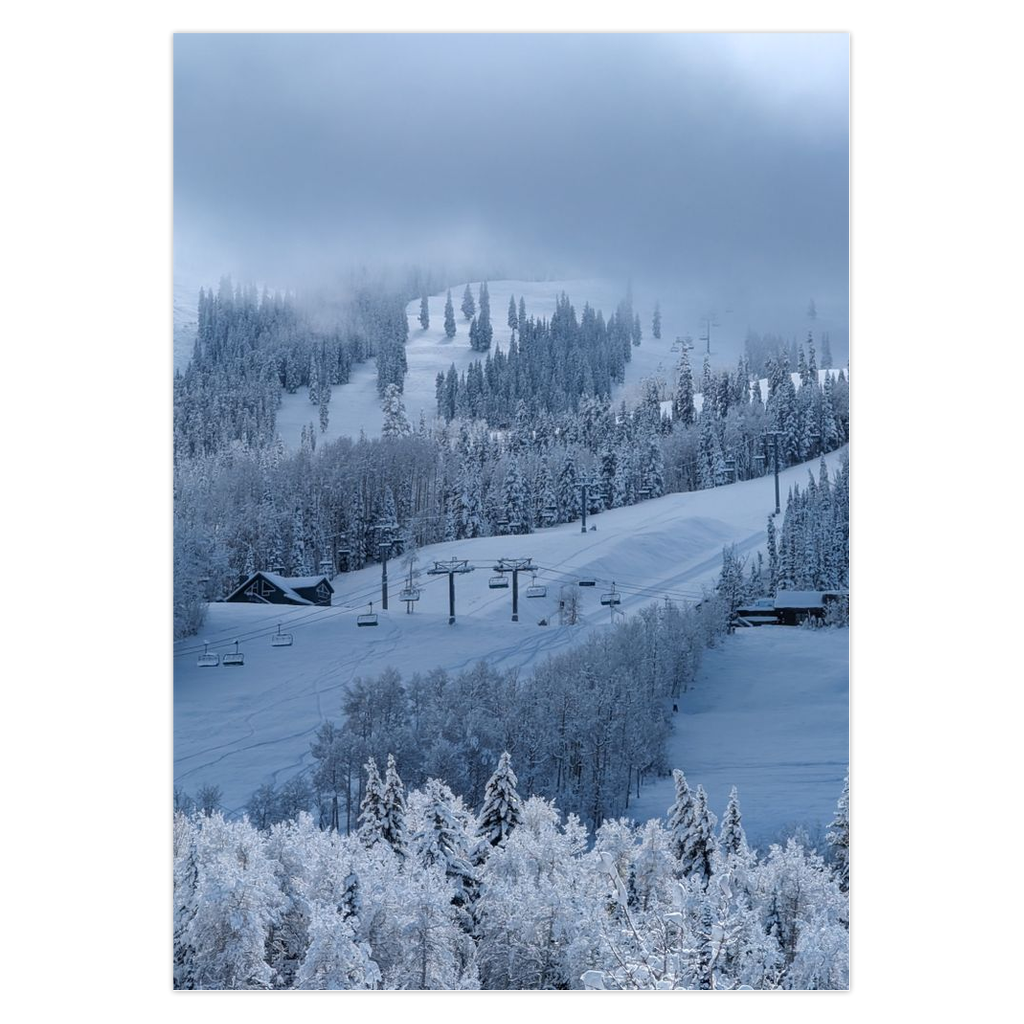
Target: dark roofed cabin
<point>269,588</point>
<point>758,612</point>
<point>793,606</point>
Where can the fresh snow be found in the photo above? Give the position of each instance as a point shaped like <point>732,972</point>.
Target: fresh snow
<point>239,727</point>
<point>769,714</point>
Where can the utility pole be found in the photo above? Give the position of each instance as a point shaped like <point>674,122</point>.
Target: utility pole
<point>583,505</point>
<point>450,569</point>
<point>515,566</point>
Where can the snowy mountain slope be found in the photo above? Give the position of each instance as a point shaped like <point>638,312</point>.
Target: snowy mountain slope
<point>768,713</point>
<point>240,727</point>
<point>355,406</point>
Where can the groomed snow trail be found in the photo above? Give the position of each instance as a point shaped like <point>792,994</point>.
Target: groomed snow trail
<point>238,727</point>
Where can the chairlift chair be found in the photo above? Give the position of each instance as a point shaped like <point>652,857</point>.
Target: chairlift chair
<point>588,582</point>
<point>208,660</point>
<point>611,597</point>
<point>536,589</point>
<point>280,639</point>
<point>410,594</point>
<point>367,618</point>
<point>236,657</point>
<point>499,582</point>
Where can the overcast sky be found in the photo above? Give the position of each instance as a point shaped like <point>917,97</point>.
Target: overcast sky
<point>721,160</point>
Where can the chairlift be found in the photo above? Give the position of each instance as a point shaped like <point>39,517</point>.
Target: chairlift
<point>410,594</point>
<point>644,492</point>
<point>611,597</point>
<point>236,657</point>
<point>280,639</point>
<point>588,582</point>
<point>536,589</point>
<point>367,618</point>
<point>549,513</point>
<point>208,660</point>
<point>499,582</point>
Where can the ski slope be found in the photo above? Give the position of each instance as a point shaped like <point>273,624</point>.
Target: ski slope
<point>355,406</point>
<point>238,727</point>
<point>769,714</point>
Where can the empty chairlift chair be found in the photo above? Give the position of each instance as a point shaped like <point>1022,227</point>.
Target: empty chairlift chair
<point>236,657</point>
<point>587,581</point>
<point>535,589</point>
<point>367,618</point>
<point>208,660</point>
<point>280,639</point>
<point>410,594</point>
<point>611,597</point>
<point>499,582</point>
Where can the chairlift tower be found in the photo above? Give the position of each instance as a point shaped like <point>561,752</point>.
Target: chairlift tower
<point>451,568</point>
<point>708,321</point>
<point>515,566</point>
<point>774,435</point>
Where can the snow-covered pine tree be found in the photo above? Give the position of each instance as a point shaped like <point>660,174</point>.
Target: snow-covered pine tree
<point>449,316</point>
<point>396,423</point>
<point>839,837</point>
<point>683,410</point>
<point>371,810</point>
<point>424,317</point>
<point>444,840</point>
<point>699,855</point>
<point>680,815</point>
<point>468,303</point>
<point>502,809</point>
<point>393,830</point>
<point>656,321</point>
<point>513,317</point>
<point>733,838</point>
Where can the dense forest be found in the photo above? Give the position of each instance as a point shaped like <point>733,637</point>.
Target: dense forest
<point>428,894</point>
<point>527,433</point>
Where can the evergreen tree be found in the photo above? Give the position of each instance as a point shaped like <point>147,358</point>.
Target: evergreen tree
<point>521,318</point>
<point>656,321</point>
<point>682,401</point>
<point>333,958</point>
<point>839,837</point>
<point>444,840</point>
<point>371,810</point>
<point>484,330</point>
<point>636,334</point>
<point>449,316</point>
<point>733,838</point>
<point>393,820</point>
<point>699,854</point>
<point>468,303</point>
<point>502,809</point>
<point>513,318</point>
<point>396,423</point>
<point>424,312</point>
<point>680,816</point>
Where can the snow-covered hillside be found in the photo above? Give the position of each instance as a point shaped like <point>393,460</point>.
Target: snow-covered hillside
<point>240,727</point>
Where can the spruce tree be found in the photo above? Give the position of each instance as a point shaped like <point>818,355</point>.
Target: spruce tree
<point>839,837</point>
<point>449,316</point>
<point>513,318</point>
<point>682,401</point>
<point>733,838</point>
<point>371,810</point>
<point>392,825</point>
<point>656,321</point>
<point>424,312</point>
<point>468,303</point>
<point>680,816</point>
<point>502,809</point>
<point>698,856</point>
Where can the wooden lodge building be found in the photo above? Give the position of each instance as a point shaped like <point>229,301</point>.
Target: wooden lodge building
<point>270,588</point>
<point>787,607</point>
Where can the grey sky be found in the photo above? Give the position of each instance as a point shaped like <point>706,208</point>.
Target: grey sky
<point>718,160</point>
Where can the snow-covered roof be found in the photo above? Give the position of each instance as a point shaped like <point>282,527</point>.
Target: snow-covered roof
<point>286,584</point>
<point>804,598</point>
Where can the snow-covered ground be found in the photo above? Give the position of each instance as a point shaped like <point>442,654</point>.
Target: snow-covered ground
<point>768,714</point>
<point>240,727</point>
